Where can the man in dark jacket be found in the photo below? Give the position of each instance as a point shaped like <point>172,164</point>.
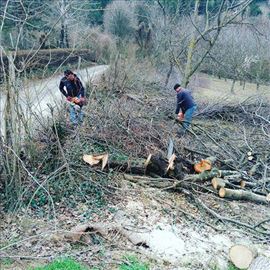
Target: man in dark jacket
<point>71,87</point>
<point>187,105</point>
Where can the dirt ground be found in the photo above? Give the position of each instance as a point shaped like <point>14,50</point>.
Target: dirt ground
<point>181,236</point>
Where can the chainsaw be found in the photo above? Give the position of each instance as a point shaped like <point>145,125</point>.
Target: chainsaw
<point>76,103</point>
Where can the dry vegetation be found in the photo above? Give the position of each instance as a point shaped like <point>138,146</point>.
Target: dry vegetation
<point>46,187</point>
<point>130,119</point>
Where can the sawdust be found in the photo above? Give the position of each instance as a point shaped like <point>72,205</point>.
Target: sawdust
<point>186,247</point>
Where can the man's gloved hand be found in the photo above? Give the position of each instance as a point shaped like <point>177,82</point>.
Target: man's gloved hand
<point>69,98</point>
<point>76,100</point>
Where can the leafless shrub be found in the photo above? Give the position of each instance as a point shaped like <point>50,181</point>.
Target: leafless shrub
<point>120,20</point>
<point>127,74</point>
<point>241,53</point>
<point>101,44</point>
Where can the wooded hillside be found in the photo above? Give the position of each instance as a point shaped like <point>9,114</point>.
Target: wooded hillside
<point>98,168</point>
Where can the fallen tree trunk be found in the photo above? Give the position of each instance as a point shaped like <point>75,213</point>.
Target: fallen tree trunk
<point>155,165</point>
<point>168,183</point>
<point>239,179</point>
<point>242,195</point>
<point>206,175</point>
<point>104,229</point>
<point>136,167</point>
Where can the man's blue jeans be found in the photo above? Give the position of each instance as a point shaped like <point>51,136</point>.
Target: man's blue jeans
<point>188,117</point>
<point>75,116</point>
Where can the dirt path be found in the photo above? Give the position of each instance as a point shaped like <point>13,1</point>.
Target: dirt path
<point>35,97</point>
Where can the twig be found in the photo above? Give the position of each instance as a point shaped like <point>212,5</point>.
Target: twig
<point>221,218</point>
<point>35,180</point>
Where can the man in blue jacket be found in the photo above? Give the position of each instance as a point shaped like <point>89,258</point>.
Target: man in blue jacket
<point>71,87</point>
<point>185,107</point>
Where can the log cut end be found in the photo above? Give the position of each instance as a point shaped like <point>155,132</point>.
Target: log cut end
<point>242,183</point>
<point>241,256</point>
<point>218,183</point>
<point>203,165</point>
<point>222,192</point>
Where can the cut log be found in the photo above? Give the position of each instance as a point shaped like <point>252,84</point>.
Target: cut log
<point>218,183</point>
<point>135,166</point>
<point>243,183</point>
<point>77,232</point>
<point>203,165</point>
<point>241,256</point>
<point>237,179</point>
<point>206,175</point>
<point>242,195</point>
<point>155,164</point>
<point>135,238</point>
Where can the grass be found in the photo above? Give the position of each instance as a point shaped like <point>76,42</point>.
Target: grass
<point>232,267</point>
<point>132,263</point>
<point>6,261</point>
<point>64,264</point>
<point>211,89</point>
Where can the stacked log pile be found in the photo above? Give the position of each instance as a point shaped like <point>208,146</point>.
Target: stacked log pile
<point>180,173</point>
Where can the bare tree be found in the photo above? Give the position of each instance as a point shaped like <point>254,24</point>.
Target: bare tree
<point>198,40</point>
<point>120,20</point>
<point>241,54</point>
<point>208,29</point>
<point>231,57</point>
<point>19,114</point>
